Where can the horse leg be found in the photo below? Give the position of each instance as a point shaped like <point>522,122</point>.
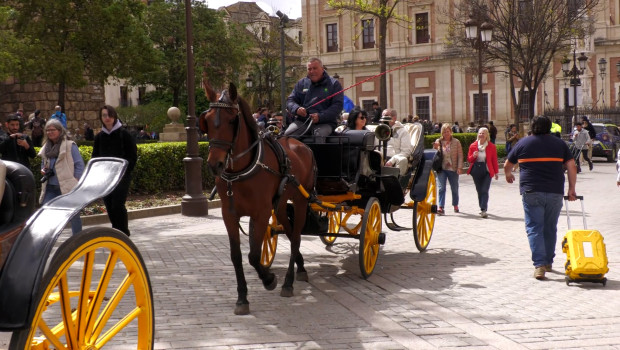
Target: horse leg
<point>301,275</point>
<point>294,236</point>
<point>258,227</point>
<point>242,307</point>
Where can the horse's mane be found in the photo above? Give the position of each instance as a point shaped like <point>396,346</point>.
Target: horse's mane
<point>246,112</point>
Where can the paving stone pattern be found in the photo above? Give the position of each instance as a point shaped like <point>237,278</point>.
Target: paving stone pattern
<point>473,288</point>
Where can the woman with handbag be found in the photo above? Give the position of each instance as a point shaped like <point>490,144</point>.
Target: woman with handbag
<point>482,158</point>
<point>451,166</point>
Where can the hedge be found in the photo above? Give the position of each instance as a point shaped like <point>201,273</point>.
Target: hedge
<point>466,139</point>
<point>159,167</point>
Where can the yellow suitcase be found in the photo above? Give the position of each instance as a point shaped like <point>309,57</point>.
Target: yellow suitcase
<point>586,256</point>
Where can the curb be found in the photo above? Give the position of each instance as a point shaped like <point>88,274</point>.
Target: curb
<point>99,219</point>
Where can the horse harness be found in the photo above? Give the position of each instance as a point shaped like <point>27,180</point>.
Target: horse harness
<point>257,164</point>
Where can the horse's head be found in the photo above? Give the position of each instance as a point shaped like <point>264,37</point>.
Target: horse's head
<point>221,124</point>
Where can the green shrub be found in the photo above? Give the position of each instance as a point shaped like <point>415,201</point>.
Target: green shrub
<point>159,168</point>
<point>466,139</point>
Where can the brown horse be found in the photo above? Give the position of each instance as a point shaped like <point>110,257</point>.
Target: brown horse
<point>248,179</point>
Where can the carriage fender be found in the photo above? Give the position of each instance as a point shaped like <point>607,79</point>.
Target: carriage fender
<point>419,186</point>
<point>24,268</point>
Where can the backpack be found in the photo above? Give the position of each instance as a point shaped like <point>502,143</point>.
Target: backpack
<point>37,128</point>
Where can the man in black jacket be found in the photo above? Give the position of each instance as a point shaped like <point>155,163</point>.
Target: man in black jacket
<point>315,98</point>
<point>15,146</point>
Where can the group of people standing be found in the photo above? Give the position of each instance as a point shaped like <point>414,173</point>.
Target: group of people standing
<point>62,164</point>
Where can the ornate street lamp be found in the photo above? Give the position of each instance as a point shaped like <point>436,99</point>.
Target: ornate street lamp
<point>249,82</point>
<point>574,74</point>
<point>194,202</point>
<point>602,68</point>
<point>283,22</point>
<point>480,36</point>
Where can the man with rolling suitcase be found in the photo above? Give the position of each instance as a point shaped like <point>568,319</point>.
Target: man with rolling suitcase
<point>542,159</point>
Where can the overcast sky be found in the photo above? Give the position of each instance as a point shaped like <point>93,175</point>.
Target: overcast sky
<point>292,8</point>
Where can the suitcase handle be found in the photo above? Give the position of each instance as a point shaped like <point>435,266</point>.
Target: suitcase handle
<point>583,212</point>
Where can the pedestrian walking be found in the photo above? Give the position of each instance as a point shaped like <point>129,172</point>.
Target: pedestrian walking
<point>115,141</point>
<point>451,167</point>
<point>482,158</point>
<point>543,159</point>
<point>581,141</point>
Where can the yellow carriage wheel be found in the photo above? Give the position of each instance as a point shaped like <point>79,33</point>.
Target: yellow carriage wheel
<point>95,293</point>
<point>424,215</point>
<point>369,237</point>
<point>270,242</point>
<point>334,222</point>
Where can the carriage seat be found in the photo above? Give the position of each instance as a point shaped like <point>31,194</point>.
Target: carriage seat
<point>2,179</point>
<point>18,198</point>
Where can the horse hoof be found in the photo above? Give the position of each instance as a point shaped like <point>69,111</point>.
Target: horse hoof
<point>286,292</point>
<point>273,284</point>
<point>302,276</point>
<point>243,309</point>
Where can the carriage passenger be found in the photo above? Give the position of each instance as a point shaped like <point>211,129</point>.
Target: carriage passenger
<point>399,146</point>
<point>317,87</point>
<point>357,119</point>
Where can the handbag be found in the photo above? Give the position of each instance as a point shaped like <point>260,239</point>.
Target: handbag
<point>438,160</point>
<point>478,169</point>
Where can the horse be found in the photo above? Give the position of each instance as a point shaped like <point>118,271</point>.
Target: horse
<point>250,179</point>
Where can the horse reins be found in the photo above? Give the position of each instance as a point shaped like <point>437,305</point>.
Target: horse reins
<point>227,146</point>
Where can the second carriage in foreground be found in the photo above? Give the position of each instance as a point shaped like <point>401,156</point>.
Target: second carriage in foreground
<point>354,191</point>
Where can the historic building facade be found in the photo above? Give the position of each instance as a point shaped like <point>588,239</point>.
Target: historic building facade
<point>438,87</point>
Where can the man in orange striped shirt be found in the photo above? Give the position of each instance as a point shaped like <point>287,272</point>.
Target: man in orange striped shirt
<point>542,159</point>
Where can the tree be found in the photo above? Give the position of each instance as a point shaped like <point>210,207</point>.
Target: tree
<point>384,11</point>
<point>219,49</point>
<point>528,35</point>
<point>265,67</point>
<point>74,41</point>
<point>10,46</point>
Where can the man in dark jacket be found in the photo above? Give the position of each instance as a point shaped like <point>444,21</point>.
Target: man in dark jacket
<point>15,146</point>
<point>313,101</point>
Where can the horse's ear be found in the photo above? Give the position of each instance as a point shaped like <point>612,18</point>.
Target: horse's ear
<point>202,122</point>
<point>209,92</point>
<point>232,92</point>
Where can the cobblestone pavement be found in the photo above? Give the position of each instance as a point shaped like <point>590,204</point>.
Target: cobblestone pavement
<point>473,287</point>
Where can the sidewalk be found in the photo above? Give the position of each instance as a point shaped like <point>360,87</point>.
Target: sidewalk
<point>473,288</point>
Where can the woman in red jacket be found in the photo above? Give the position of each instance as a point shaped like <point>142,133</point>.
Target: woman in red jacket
<point>482,158</point>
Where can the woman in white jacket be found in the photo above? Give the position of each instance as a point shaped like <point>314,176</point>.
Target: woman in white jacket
<point>61,166</point>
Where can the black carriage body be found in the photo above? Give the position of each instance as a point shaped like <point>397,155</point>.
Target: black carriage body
<point>348,162</point>
<point>16,205</point>
<point>25,264</point>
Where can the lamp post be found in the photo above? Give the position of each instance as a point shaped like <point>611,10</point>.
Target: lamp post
<point>194,202</point>
<point>602,68</point>
<point>618,75</point>
<point>249,82</point>
<point>283,22</point>
<point>574,74</point>
<point>480,36</point>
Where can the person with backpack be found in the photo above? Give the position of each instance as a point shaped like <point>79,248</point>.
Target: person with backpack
<point>37,128</point>
<point>456,128</point>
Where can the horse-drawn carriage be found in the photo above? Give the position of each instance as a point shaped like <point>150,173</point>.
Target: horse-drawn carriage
<point>353,189</point>
<point>311,185</point>
<point>83,292</point>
